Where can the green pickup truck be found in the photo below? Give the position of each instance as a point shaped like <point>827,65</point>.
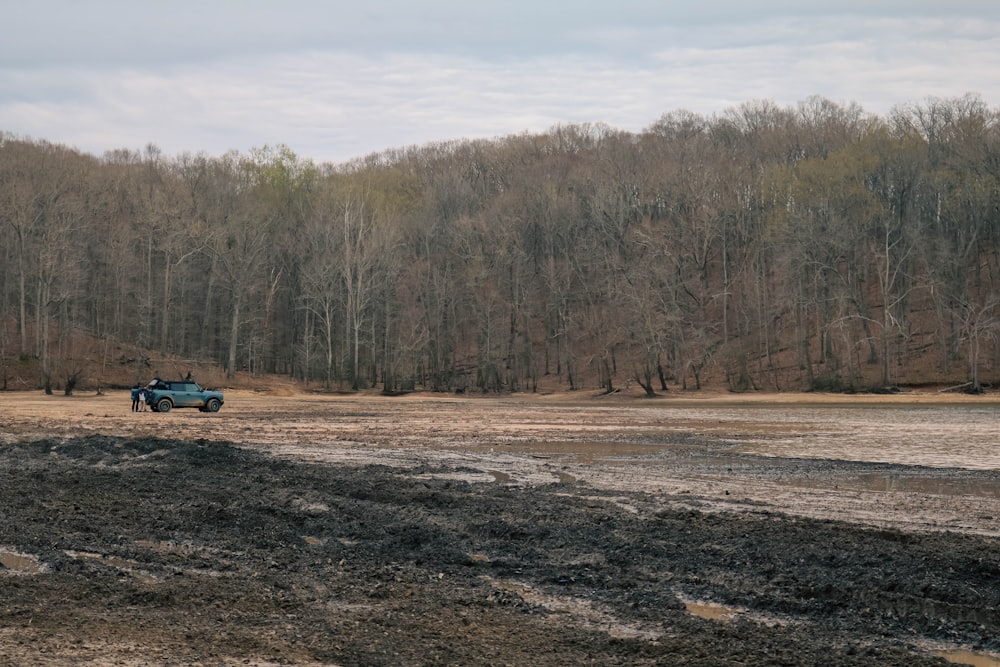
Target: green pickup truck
<point>165,395</point>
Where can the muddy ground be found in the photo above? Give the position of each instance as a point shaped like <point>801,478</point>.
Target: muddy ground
<point>431,531</point>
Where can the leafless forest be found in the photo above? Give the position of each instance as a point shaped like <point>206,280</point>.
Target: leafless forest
<point>811,247</point>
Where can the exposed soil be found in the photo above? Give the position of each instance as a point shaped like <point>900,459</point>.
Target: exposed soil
<point>427,530</point>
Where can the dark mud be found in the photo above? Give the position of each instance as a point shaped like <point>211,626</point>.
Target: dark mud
<point>132,552</point>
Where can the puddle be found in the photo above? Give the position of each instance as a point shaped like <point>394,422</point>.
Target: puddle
<point>17,563</point>
<point>500,477</point>
<point>931,486</point>
<point>943,436</point>
<point>582,451</point>
<point>962,657</point>
<point>720,613</point>
<point>711,611</point>
<point>932,435</point>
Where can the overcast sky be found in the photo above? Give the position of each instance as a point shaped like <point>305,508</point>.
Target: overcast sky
<point>334,80</point>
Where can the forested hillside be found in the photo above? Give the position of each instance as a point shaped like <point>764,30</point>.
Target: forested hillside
<point>810,247</point>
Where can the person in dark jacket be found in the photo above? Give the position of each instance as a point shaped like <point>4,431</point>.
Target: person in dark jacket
<point>135,398</point>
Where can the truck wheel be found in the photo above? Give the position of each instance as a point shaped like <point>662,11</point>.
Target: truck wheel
<point>164,405</point>
<point>213,405</point>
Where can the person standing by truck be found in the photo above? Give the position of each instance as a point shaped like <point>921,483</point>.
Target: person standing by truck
<point>135,397</point>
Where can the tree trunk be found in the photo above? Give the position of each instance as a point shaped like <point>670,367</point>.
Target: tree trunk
<point>234,335</point>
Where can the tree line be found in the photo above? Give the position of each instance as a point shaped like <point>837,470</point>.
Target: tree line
<point>816,246</point>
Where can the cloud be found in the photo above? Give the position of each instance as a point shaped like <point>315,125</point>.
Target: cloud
<point>335,82</point>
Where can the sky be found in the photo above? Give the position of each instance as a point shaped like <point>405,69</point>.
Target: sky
<point>335,80</point>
